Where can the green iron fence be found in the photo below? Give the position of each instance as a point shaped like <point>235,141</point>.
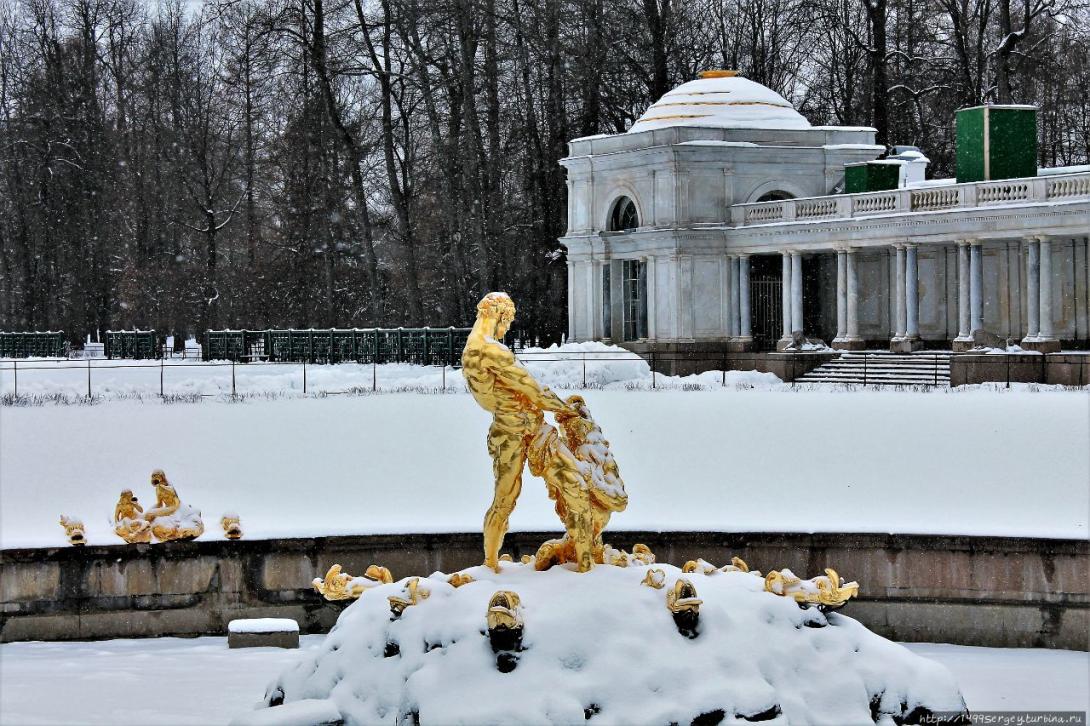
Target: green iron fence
<point>422,346</point>
<point>47,344</point>
<point>133,344</point>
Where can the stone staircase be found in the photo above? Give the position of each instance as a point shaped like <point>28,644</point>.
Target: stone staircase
<point>879,368</point>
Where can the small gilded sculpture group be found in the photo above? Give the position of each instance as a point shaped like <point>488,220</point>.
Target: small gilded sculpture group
<point>170,518</point>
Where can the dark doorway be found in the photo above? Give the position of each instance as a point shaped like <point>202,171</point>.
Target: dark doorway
<point>765,300</point>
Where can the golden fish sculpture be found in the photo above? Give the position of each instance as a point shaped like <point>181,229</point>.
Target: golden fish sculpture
<point>339,585</point>
<point>73,530</point>
<point>828,592</point>
<point>578,468</point>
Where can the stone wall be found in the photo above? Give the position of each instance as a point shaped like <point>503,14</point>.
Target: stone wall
<point>971,590</point>
<point>1067,369</point>
<point>683,359</point>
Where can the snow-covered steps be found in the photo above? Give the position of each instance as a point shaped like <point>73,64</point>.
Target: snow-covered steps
<point>883,369</point>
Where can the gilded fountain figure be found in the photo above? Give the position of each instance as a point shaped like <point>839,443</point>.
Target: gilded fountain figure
<point>575,462</point>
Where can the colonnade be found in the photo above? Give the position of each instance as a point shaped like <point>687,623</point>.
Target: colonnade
<point>906,296</point>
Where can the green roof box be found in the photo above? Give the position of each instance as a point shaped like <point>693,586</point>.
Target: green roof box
<point>996,142</point>
<point>871,176</point>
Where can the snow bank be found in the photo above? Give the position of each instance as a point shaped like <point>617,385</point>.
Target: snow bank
<point>308,712</point>
<point>716,460</point>
<point>602,647</point>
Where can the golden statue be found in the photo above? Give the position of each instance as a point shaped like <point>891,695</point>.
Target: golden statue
<point>170,519</point>
<point>828,592</point>
<point>73,529</point>
<point>579,470</point>
<point>129,522</point>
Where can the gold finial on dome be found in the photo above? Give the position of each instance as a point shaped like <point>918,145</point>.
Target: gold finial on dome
<point>718,74</point>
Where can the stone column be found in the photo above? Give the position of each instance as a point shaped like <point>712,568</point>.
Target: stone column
<point>912,294</point>
<point>745,323</point>
<point>735,298</point>
<point>899,292</point>
<point>1033,300</point>
<point>796,293</point>
<point>841,296</point>
<point>1046,341</point>
<point>964,340</point>
<point>571,302</point>
<point>785,301</point>
<point>855,342</point>
<point>847,301</point>
<point>652,297</point>
<point>976,288</point>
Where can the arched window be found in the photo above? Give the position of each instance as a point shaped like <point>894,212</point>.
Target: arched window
<point>775,196</point>
<point>625,216</point>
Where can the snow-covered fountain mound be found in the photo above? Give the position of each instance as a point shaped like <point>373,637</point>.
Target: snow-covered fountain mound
<point>603,647</point>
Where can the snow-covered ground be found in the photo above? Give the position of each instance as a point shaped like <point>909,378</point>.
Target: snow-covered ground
<point>976,463</point>
<point>199,681</point>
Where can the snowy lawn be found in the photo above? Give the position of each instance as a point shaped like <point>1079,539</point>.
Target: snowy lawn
<point>977,463</point>
<point>199,681</point>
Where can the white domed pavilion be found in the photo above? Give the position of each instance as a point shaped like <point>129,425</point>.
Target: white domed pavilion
<point>718,225</point>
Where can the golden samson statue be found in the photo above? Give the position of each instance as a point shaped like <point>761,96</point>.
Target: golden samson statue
<point>575,463</point>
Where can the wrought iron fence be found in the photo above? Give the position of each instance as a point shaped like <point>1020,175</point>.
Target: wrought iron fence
<point>422,346</point>
<point>133,344</point>
<point>46,344</point>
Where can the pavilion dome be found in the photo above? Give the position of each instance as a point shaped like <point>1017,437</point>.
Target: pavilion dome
<point>721,99</point>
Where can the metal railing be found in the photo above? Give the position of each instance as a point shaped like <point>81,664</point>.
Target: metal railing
<point>663,370</point>
<point>926,199</point>
<point>92,376</point>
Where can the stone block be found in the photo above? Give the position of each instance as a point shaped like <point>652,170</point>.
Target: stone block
<point>1041,346</point>
<point>263,633</point>
<point>288,571</point>
<point>186,575</point>
<point>1067,369</point>
<point>29,581</point>
<point>134,576</point>
<point>905,345</point>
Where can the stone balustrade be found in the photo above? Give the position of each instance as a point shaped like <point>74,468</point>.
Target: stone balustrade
<point>1066,187</point>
